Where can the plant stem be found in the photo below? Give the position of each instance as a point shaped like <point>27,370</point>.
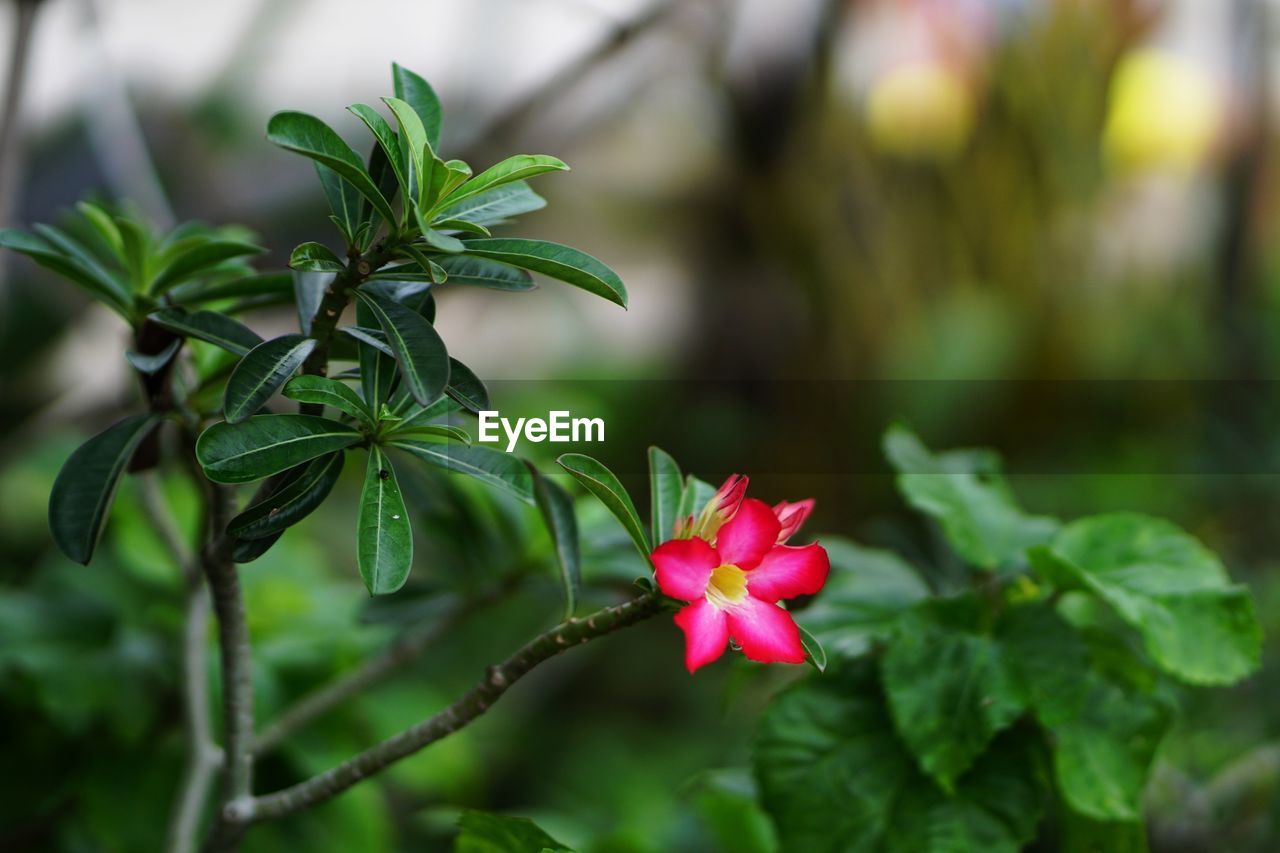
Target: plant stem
<point>465,710</point>
<point>19,52</point>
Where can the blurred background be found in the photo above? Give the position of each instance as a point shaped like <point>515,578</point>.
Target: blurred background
<point>1039,225</point>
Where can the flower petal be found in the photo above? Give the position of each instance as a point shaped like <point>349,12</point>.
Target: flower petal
<point>791,516</point>
<point>683,567</point>
<point>706,633</point>
<point>766,632</point>
<point>787,571</point>
<point>749,535</point>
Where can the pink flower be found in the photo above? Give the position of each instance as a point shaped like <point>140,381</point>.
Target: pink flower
<point>722,507</point>
<point>734,586</point>
<point>791,516</point>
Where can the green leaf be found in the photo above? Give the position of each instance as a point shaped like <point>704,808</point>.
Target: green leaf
<point>47,256</point>
<point>259,284</point>
<point>814,654</point>
<point>1047,659</point>
<point>155,362</point>
<point>377,364</point>
<point>104,225</point>
<point>666,486</point>
<point>481,832</point>
<point>308,292</point>
<point>606,487</point>
<point>975,508</point>
<point>512,169</point>
<point>555,261</point>
<point>85,257</point>
<point>1196,625</point>
<point>344,200</point>
<point>314,257</point>
<point>417,93</point>
<point>834,777</point>
<point>310,137</point>
<point>248,550</point>
<point>498,469</point>
<point>389,143</point>
<point>695,496</point>
<point>199,256</point>
<point>261,373</point>
<point>297,495</point>
<point>464,269</point>
<point>462,225</point>
<point>949,692</point>
<point>384,541</point>
<point>268,444</point>
<point>420,354</point>
<point>467,389</point>
<point>209,326</point>
<point>329,392</point>
<point>444,431</point>
<point>496,206</point>
<point>441,242</point>
<point>82,492</point>
<point>557,512</point>
<point>866,591</point>
<point>415,152</point>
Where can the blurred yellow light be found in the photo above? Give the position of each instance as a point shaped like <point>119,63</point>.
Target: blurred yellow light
<point>920,111</point>
<point>1164,113</point>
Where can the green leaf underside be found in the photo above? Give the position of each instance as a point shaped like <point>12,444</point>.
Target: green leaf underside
<point>480,272</point>
<point>329,392</point>
<point>493,467</point>
<point>814,654</point>
<point>482,832</point>
<point>387,140</point>
<point>666,485</point>
<point>554,261</point>
<point>301,491</point>
<point>834,777</point>
<point>261,373</point>
<point>556,507</point>
<point>344,200</point>
<point>82,493</point>
<point>975,508</point>
<point>377,364</point>
<point>384,540</point>
<point>49,257</point>
<point>512,169</point>
<point>467,389</point>
<point>497,205</point>
<point>315,257</point>
<point>419,351</point>
<point>261,284</point>
<point>210,327</point>
<point>153,364</point>
<point>310,137</point>
<point>199,258</point>
<point>605,486</point>
<point>417,93</point>
<point>268,444</point>
<point>248,550</point>
<point>1195,624</point>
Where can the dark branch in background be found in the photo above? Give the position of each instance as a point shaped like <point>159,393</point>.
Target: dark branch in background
<point>466,709</point>
<point>15,80</point>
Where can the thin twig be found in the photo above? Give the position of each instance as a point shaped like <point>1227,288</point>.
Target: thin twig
<point>465,710</point>
<point>19,53</point>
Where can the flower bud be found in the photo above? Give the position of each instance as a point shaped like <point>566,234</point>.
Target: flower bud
<point>791,516</point>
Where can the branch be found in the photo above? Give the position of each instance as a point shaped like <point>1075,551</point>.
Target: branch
<point>19,52</point>
<point>462,712</point>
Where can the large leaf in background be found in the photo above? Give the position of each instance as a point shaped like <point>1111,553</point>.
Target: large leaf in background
<point>258,285</point>
<point>482,832</point>
<point>605,486</point>
<point>834,777</point>
<point>501,470</point>
<point>261,372</point>
<point>1196,625</point>
<point>100,264</point>
<point>512,169</point>
<point>268,444</point>
<point>384,538</point>
<point>949,692</point>
<point>197,255</point>
<point>209,326</point>
<point>557,512</point>
<point>310,137</point>
<point>295,497</point>
<point>462,269</point>
<point>666,486</point>
<point>82,493</point>
<point>329,392</point>
<point>866,591</point>
<point>975,507</point>
<point>496,206</point>
<point>420,354</point>
<point>555,261</point>
<point>49,257</point>
<point>1046,658</point>
<point>418,94</point>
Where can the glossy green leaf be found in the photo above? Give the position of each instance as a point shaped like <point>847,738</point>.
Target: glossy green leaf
<point>297,495</point>
<point>197,257</point>
<point>562,524</point>
<point>209,326</point>
<point>606,487</point>
<point>442,242</point>
<point>344,200</point>
<point>467,389</point>
<point>415,152</point>
<point>666,485</point>
<point>329,392</point>
<point>248,550</point>
<point>465,269</point>
<point>308,292</point>
<point>500,470</point>
<point>259,284</point>
<point>261,373</point>
<point>49,257</point>
<point>377,364</point>
<point>310,137</point>
<point>419,352</point>
<point>1195,623</point>
<point>814,654</point>
<point>481,832</point>
<point>388,142</point>
<point>555,261</point>
<point>417,93</point>
<point>462,225</point>
<point>314,257</point>
<point>153,363</point>
<point>82,492</point>
<point>512,169</point>
<point>384,539</point>
<point>497,205</point>
<point>268,444</point>
<point>429,431</point>
<point>975,508</point>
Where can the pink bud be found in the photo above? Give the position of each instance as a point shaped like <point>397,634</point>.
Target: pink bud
<point>791,516</point>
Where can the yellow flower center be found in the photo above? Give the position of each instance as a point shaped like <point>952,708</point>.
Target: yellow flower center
<point>728,586</point>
